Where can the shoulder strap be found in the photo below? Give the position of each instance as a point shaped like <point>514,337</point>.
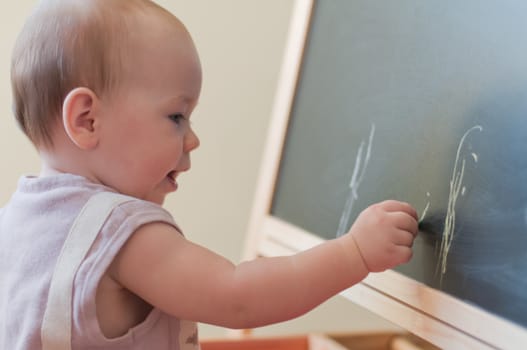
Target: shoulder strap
<point>56,325</point>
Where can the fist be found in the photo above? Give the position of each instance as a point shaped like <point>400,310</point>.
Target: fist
<point>384,234</point>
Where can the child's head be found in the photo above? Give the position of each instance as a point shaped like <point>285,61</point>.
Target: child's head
<point>100,87</point>
<point>67,44</point>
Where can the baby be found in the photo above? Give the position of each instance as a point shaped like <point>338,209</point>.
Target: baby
<point>105,90</point>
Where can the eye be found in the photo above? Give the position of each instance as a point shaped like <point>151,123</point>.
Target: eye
<point>177,118</point>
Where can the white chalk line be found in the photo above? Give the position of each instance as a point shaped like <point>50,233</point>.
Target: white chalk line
<point>455,189</point>
<point>357,176</point>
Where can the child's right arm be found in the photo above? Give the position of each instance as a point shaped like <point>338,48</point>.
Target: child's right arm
<point>193,283</point>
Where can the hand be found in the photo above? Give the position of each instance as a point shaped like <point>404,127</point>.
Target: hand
<point>384,234</point>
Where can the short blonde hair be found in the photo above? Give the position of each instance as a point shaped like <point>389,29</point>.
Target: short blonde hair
<point>67,44</point>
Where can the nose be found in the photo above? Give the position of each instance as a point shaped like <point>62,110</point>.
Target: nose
<point>191,141</point>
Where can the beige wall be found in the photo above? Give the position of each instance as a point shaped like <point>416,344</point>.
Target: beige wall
<point>241,44</point>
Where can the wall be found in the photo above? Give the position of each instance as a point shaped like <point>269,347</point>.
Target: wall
<point>241,44</point>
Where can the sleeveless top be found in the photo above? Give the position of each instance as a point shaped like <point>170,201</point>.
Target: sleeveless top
<point>33,228</point>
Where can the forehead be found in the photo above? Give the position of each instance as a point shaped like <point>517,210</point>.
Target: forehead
<point>164,56</point>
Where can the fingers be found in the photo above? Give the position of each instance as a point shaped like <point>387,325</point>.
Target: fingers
<point>395,206</point>
<point>404,222</point>
<point>403,238</point>
<point>404,216</point>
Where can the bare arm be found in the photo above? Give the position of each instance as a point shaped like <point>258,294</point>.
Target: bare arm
<point>191,282</point>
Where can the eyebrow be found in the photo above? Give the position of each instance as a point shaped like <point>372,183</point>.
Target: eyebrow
<point>185,98</point>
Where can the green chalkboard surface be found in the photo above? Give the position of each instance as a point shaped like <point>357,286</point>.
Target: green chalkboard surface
<point>426,102</point>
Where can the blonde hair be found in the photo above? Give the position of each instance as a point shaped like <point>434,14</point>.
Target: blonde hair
<point>67,44</point>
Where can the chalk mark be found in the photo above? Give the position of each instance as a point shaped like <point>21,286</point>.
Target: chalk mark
<point>425,210</point>
<point>356,178</point>
<point>455,189</point>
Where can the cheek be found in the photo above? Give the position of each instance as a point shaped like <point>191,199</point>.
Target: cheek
<point>140,173</point>
<point>144,153</point>
<point>159,159</point>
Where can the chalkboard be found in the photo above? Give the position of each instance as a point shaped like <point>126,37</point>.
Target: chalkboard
<point>425,102</point>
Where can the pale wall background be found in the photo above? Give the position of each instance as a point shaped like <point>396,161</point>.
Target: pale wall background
<point>241,43</point>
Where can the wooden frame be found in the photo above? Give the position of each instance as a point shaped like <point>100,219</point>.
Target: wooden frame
<point>431,314</point>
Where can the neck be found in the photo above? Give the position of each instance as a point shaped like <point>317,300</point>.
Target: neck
<point>54,164</point>
<point>48,170</point>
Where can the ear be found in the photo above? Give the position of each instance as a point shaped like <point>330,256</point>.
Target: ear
<point>80,117</point>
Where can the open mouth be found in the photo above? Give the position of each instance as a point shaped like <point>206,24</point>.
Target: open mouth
<point>172,176</point>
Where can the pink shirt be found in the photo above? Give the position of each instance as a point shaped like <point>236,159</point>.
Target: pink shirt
<point>33,227</point>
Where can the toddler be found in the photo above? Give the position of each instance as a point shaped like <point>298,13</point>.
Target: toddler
<point>105,90</point>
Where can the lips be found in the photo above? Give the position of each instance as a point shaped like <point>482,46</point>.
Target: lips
<point>171,177</point>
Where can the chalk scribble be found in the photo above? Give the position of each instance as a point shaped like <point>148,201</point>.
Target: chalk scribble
<point>456,189</point>
<point>356,178</point>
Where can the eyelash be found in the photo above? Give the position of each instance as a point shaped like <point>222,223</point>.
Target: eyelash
<point>177,118</point>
